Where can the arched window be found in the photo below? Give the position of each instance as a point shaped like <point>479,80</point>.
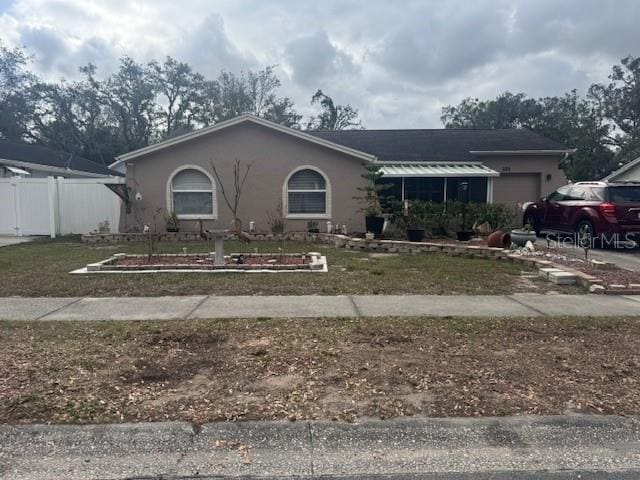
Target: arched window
<point>307,194</point>
<point>191,194</point>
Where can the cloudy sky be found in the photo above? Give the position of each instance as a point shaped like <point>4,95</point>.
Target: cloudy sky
<point>398,61</point>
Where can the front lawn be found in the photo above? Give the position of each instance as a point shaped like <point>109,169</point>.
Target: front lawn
<point>82,372</point>
<point>42,269</point>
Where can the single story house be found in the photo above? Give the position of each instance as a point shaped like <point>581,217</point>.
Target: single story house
<point>35,161</point>
<point>307,176</point>
<point>629,172</point>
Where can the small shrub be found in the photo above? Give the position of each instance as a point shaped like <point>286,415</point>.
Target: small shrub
<point>438,219</point>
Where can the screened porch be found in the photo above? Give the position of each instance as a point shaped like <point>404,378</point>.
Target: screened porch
<point>439,183</point>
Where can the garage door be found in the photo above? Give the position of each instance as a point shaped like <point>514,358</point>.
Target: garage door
<point>510,188</point>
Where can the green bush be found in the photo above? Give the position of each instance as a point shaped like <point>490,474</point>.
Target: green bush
<point>438,219</point>
<point>500,217</point>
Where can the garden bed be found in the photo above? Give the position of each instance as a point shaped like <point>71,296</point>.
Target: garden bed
<point>203,262</point>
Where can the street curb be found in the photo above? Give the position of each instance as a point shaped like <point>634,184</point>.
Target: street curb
<point>427,448</point>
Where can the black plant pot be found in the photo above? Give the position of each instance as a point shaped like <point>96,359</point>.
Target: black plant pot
<point>374,224</point>
<point>415,234</point>
<point>464,236</point>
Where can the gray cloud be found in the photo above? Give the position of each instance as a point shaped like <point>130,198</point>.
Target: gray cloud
<point>47,46</point>
<point>57,56</point>
<point>432,45</point>
<point>313,58</point>
<point>209,49</point>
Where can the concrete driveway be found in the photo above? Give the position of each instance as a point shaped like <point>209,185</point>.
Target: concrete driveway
<point>6,240</point>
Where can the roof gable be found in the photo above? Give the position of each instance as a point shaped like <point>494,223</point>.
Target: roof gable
<point>237,121</point>
<point>622,170</point>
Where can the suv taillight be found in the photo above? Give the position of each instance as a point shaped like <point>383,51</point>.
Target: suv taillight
<point>608,210</point>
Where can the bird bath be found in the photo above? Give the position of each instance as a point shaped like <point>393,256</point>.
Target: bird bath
<point>218,238</point>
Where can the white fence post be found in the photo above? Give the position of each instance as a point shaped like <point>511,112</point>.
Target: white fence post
<point>52,200</point>
<point>17,205</point>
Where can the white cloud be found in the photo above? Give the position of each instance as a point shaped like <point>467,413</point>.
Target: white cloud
<point>398,62</point>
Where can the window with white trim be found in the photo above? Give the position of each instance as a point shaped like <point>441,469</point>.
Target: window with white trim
<point>191,193</point>
<point>307,193</point>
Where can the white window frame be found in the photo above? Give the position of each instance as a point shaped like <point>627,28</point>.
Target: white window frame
<point>327,194</point>
<point>170,192</point>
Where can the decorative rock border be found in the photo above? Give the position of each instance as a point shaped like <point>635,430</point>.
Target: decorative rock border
<point>594,284</point>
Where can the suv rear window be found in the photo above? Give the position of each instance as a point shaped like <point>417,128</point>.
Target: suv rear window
<point>630,194</point>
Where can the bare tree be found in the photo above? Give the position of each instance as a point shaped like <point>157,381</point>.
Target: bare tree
<point>232,200</point>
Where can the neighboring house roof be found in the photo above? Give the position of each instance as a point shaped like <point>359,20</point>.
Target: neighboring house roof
<point>235,121</point>
<point>442,145</point>
<point>627,167</point>
<point>44,158</point>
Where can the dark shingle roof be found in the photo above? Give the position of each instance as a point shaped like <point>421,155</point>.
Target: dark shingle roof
<point>38,155</point>
<point>436,145</point>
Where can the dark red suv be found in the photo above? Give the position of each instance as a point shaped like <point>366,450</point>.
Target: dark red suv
<point>604,211</point>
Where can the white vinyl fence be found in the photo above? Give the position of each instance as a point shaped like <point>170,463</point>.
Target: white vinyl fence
<point>56,206</point>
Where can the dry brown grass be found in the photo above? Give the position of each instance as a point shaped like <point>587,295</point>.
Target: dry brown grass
<point>66,372</point>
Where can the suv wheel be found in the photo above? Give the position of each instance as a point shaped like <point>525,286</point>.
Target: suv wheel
<point>585,234</point>
<point>530,219</point>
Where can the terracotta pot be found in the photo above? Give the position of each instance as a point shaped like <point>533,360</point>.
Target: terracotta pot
<point>499,239</point>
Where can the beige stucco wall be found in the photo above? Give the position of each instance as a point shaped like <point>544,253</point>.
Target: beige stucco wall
<point>274,155</point>
<point>507,191</point>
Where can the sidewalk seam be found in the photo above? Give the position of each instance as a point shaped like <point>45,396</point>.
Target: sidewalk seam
<point>56,310</point>
<point>540,312</point>
<point>206,297</point>
<point>355,306</point>
<point>310,430</point>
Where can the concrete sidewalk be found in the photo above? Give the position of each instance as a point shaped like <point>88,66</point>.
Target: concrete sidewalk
<point>506,448</point>
<point>187,307</point>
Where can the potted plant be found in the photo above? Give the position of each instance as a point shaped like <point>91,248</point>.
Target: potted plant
<point>372,210</point>
<point>312,227</point>
<point>415,222</point>
<point>173,223</point>
<point>520,236</point>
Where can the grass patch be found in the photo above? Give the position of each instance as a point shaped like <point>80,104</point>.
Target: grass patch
<point>41,269</point>
<point>342,369</point>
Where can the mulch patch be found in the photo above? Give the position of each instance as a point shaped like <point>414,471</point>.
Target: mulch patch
<point>344,370</point>
<point>196,261</point>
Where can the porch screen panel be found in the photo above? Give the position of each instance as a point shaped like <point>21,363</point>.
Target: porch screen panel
<point>477,189</point>
<point>430,189</point>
